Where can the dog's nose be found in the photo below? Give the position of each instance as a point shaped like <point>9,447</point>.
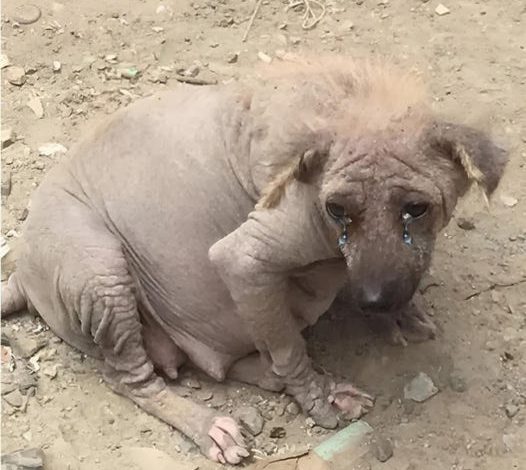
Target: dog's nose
<point>374,298</point>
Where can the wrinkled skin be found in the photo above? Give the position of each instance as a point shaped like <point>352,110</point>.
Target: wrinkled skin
<point>145,247</point>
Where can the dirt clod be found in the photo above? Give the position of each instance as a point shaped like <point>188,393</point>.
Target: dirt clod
<point>15,75</point>
<point>382,448</point>
<point>420,389</point>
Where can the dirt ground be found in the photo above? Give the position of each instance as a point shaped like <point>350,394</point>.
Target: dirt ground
<point>474,58</point>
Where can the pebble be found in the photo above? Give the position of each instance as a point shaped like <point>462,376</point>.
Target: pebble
<point>50,371</point>
<point>465,224</point>
<point>35,105</point>
<point>56,66</point>
<point>382,448</point>
<point>508,201</point>
<point>27,346</point>
<point>15,75</point>
<point>204,395</point>
<point>192,71</point>
<point>310,422</point>
<point>27,14</point>
<point>442,10</point>
<point>24,459</point>
<point>511,410</point>
<point>232,58</point>
<point>264,57</point>
<point>292,408</point>
<point>50,149</point>
<point>8,137</point>
<point>277,433</point>
<point>14,398</point>
<point>4,61</point>
<point>251,419</point>
<point>6,183</point>
<point>294,40</point>
<point>420,389</point>
<point>191,382</point>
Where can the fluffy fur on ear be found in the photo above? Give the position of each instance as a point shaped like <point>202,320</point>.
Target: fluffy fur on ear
<point>301,170</point>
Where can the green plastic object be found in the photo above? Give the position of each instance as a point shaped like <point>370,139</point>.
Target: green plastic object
<point>349,437</point>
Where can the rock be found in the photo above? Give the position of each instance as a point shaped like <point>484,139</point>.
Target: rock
<point>457,383</point>
<point>277,433</point>
<point>6,183</point>
<point>310,423</point>
<point>57,66</point>
<point>15,75</point>
<point>250,418</point>
<point>50,371</point>
<point>128,72</point>
<point>511,410</point>
<point>420,389</point>
<point>26,14</point>
<point>508,201</point>
<point>465,224</point>
<point>23,460</point>
<point>4,61</point>
<point>27,346</point>
<point>442,10</point>
<point>294,40</point>
<point>35,105</point>
<point>8,137</point>
<point>292,408</point>
<point>15,398</point>
<point>191,382</point>
<point>204,395</point>
<point>51,149</point>
<point>264,57</point>
<point>232,58</point>
<point>382,448</point>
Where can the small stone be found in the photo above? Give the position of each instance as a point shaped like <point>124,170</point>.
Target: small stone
<point>50,371</point>
<point>4,61</point>
<point>6,183</point>
<point>24,460</point>
<point>26,14</point>
<point>264,57</point>
<point>14,398</point>
<point>310,422</point>
<point>511,410</point>
<point>251,419</point>
<point>465,224</point>
<point>111,58</point>
<point>15,75</point>
<point>420,389</point>
<point>292,408</point>
<point>128,72</point>
<point>51,149</point>
<point>35,105</point>
<point>191,382</point>
<point>56,66</point>
<point>277,433</point>
<point>382,448</point>
<point>232,58</point>
<point>157,29</point>
<point>28,436</point>
<point>295,40</point>
<point>508,201</point>
<point>192,71</point>
<point>457,383</point>
<point>204,395</point>
<point>27,346</point>
<point>8,137</point>
<point>442,10</point>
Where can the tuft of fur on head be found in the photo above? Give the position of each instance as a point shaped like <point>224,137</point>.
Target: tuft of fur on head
<point>312,99</point>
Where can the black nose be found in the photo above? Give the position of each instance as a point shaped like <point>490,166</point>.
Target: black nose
<point>375,299</point>
<point>381,296</point>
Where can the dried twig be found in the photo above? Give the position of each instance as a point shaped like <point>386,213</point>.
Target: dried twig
<point>251,21</point>
<point>493,286</point>
<point>194,80</point>
<point>310,19</point>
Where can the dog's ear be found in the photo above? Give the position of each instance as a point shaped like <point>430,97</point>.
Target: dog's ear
<point>310,163</point>
<point>478,157</point>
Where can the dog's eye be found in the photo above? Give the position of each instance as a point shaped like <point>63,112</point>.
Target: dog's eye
<point>336,211</point>
<point>415,210</point>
